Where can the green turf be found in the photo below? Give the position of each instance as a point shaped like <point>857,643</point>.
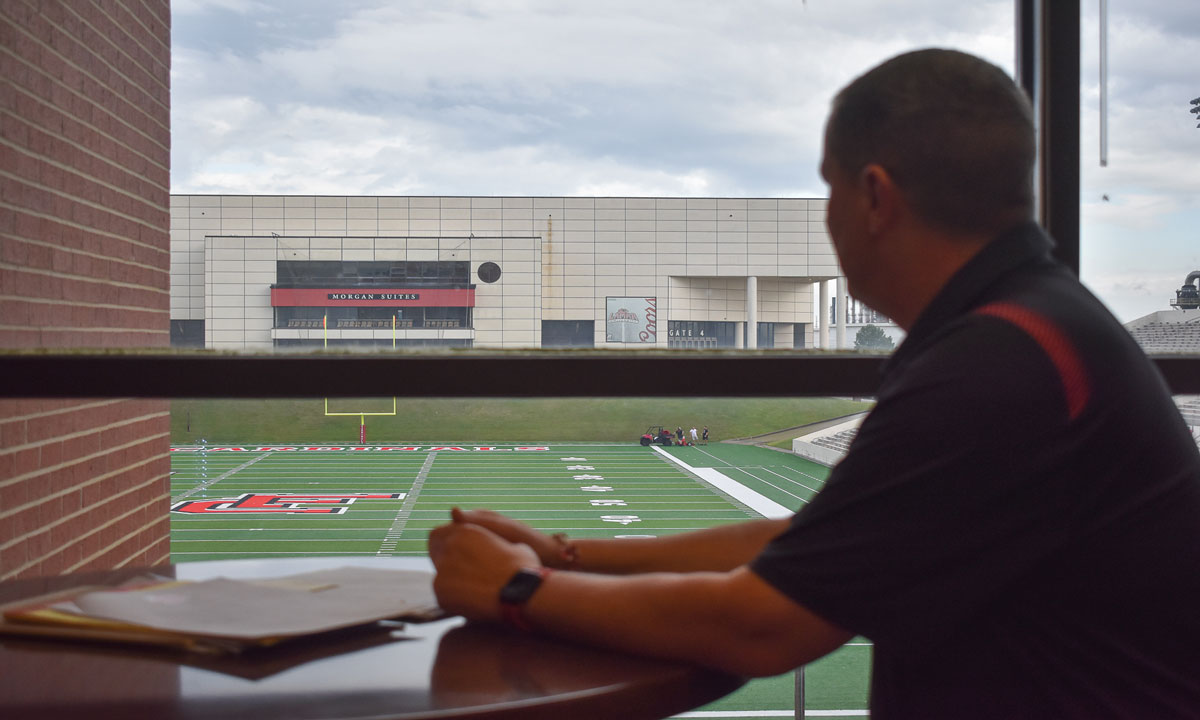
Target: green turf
<point>839,681</point>
<point>540,487</point>
<point>787,479</point>
<point>493,420</point>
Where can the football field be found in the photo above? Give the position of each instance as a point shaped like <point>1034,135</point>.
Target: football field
<point>258,501</point>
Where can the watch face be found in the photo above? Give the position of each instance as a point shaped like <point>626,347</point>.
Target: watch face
<point>520,587</point>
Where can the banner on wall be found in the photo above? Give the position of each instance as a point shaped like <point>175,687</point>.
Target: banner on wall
<point>631,319</point>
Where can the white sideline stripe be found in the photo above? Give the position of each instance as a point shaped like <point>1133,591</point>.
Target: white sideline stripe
<point>760,504</point>
<point>770,713</point>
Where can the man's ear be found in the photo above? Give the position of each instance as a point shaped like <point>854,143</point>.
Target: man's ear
<point>881,197</point>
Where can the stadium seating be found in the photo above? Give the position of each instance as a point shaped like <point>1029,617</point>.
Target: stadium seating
<point>1168,332</point>
<point>839,441</point>
<point>828,445</point>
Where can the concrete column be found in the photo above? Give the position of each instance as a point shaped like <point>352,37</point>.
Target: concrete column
<point>751,313</point>
<point>842,303</point>
<point>823,315</point>
<point>739,340</point>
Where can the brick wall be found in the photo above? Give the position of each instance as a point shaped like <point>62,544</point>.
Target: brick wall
<point>84,262</point>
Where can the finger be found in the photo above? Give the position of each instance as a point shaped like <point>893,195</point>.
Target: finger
<point>470,516</point>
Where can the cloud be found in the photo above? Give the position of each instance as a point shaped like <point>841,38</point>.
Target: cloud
<point>628,97</point>
<point>668,89</point>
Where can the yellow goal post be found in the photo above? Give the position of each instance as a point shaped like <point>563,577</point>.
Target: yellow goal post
<point>362,414</point>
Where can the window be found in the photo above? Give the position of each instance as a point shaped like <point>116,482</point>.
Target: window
<point>169,265</point>
<point>568,333</point>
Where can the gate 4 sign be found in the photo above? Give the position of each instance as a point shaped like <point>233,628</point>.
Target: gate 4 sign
<point>280,503</point>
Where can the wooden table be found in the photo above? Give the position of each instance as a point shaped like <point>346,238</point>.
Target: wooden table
<point>443,669</point>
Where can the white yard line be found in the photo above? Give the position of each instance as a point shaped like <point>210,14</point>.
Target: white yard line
<point>814,478</point>
<point>757,502</point>
<point>788,479</point>
<point>208,483</point>
<point>388,547</point>
<point>768,482</point>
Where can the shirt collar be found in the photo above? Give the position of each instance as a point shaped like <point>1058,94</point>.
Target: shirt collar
<point>1011,249</point>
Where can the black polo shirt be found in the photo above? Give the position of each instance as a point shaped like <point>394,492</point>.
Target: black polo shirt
<point>1016,525</point>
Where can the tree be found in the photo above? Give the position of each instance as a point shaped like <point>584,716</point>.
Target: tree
<point>870,337</point>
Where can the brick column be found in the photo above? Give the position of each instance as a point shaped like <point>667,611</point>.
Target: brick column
<point>84,263</point>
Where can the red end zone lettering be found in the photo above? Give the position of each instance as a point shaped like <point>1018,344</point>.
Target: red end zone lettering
<point>280,503</point>
<point>402,449</point>
<point>274,449</point>
<point>434,449</point>
<point>494,449</point>
<point>531,449</point>
<point>323,449</point>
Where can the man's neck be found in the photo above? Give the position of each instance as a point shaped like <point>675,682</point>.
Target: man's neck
<point>920,273</point>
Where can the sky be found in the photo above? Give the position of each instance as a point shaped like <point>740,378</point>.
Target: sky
<point>691,98</point>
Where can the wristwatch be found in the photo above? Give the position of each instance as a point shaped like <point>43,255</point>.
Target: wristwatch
<point>516,592</point>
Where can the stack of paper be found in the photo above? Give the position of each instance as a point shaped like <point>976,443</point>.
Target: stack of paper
<point>223,615</point>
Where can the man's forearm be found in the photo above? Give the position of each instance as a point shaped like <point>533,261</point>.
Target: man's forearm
<point>728,619</point>
<point>731,621</point>
<point>719,548</point>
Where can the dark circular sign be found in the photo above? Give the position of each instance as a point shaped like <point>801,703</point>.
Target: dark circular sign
<point>489,272</point>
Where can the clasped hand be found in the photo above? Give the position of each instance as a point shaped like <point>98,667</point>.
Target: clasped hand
<point>475,554</point>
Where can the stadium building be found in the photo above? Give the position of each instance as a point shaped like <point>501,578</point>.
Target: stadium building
<point>260,272</point>
<point>1176,330</point>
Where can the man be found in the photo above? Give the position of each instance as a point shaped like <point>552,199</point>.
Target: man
<point>1016,526</point>
<point>695,436</point>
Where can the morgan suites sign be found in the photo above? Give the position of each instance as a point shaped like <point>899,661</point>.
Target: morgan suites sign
<point>351,297</point>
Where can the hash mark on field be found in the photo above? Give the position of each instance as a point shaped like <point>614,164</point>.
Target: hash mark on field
<point>388,546</point>
<point>207,483</point>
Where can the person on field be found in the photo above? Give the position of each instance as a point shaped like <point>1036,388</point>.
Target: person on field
<point>1016,525</point>
<point>695,436</point>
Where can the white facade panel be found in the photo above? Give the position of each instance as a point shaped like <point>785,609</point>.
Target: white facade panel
<point>559,257</point>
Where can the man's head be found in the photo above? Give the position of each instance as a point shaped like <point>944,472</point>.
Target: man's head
<point>953,131</point>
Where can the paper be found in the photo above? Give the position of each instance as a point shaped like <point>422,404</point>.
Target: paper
<point>240,612</point>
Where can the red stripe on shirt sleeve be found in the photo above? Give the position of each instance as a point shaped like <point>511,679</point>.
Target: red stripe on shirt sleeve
<point>1072,373</point>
